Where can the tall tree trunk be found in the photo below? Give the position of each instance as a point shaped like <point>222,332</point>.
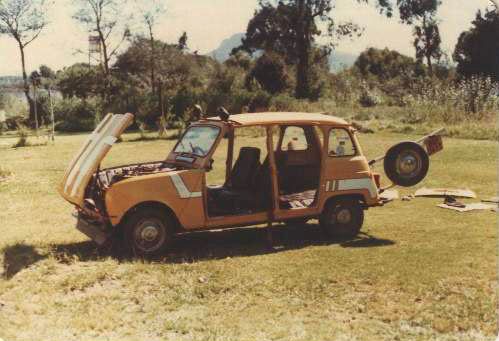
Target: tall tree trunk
<point>107,73</point>
<point>303,47</point>
<point>152,61</point>
<point>430,65</point>
<point>428,38</point>
<point>31,117</point>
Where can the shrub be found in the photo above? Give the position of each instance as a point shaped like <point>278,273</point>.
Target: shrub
<point>368,98</point>
<point>283,102</point>
<point>76,115</point>
<point>22,141</point>
<point>362,116</point>
<point>260,101</point>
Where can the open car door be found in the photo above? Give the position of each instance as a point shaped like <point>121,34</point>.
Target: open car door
<point>87,161</point>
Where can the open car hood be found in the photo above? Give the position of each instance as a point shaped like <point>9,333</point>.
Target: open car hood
<point>86,162</point>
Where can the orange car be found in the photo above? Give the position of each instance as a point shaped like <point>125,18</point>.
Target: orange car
<point>312,167</point>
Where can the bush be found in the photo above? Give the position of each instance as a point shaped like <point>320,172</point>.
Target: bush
<point>76,115</point>
<point>22,132</point>
<point>362,116</point>
<point>260,102</point>
<point>284,103</point>
<point>368,98</point>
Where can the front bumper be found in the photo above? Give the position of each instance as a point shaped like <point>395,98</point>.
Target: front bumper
<point>94,230</point>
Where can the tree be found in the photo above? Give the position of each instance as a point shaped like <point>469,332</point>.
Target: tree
<point>106,19</point>
<point>239,59</point>
<point>23,20</point>
<point>174,70</point>
<point>386,64</point>
<point>182,42</point>
<point>427,41</point>
<point>496,4</point>
<point>477,49</point>
<point>48,78</point>
<point>35,80</point>
<point>270,72</point>
<point>292,29</point>
<point>150,11</point>
<point>79,80</point>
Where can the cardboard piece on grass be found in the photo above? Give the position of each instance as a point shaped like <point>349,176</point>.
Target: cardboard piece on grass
<point>470,207</point>
<point>445,192</point>
<point>389,195</point>
<point>494,200</point>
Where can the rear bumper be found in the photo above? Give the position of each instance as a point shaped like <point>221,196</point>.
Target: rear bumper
<point>93,230</point>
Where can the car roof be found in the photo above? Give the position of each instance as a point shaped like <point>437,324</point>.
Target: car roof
<point>269,118</point>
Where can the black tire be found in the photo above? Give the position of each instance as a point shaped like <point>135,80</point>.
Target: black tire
<point>342,218</point>
<point>406,164</point>
<point>148,232</point>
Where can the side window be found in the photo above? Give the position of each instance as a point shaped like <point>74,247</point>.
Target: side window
<point>340,143</point>
<point>294,139</point>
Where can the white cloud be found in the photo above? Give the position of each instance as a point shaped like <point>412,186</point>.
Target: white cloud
<point>208,22</point>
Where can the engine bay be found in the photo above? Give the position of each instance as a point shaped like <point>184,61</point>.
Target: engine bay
<point>108,177</point>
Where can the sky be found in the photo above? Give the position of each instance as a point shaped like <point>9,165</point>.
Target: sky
<point>208,22</point>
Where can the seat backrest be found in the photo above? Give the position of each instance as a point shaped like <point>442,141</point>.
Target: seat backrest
<point>263,180</point>
<point>245,168</point>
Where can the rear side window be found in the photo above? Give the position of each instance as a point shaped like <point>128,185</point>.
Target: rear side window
<point>340,143</point>
<point>294,139</point>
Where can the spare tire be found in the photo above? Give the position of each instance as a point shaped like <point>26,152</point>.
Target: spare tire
<point>406,164</point>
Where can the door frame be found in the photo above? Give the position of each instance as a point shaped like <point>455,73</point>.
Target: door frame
<point>315,209</point>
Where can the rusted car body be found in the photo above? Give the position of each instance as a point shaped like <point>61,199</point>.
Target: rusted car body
<point>312,167</point>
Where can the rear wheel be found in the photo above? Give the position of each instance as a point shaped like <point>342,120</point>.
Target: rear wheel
<point>148,232</point>
<point>342,218</point>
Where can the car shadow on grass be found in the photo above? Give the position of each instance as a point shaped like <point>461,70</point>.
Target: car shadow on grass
<point>253,241</point>
<point>18,257</point>
<point>194,247</point>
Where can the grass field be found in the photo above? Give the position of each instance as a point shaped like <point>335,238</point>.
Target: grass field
<point>417,272</point>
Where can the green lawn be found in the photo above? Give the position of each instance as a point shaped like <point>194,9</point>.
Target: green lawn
<point>417,272</point>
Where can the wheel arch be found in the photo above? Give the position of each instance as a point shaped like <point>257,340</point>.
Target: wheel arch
<point>153,204</point>
<point>351,196</point>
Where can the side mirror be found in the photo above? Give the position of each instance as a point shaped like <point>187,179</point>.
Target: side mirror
<point>406,164</point>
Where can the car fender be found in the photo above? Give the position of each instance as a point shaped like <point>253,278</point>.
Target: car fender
<point>180,191</point>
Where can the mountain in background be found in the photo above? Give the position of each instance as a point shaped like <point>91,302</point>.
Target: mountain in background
<point>337,61</point>
<point>222,53</point>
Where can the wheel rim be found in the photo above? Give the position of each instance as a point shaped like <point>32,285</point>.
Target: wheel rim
<point>343,216</point>
<point>149,235</point>
<point>408,164</point>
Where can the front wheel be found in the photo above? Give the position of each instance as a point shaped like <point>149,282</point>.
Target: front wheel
<point>342,218</point>
<point>148,232</point>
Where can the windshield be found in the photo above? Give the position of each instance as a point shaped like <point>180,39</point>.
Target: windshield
<point>198,140</point>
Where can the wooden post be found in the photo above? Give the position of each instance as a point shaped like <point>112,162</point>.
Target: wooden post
<point>36,110</point>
